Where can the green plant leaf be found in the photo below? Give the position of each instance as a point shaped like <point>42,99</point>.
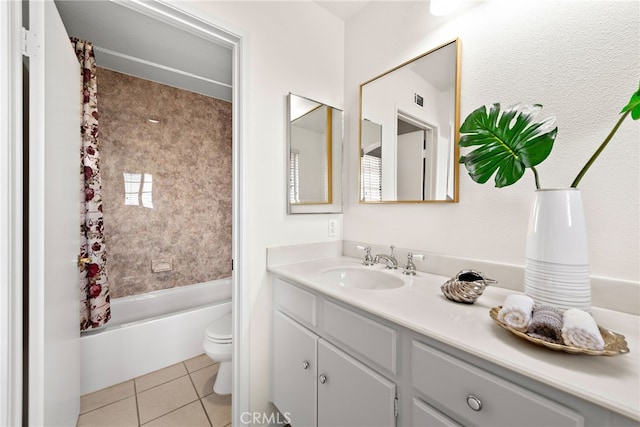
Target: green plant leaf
<point>509,141</point>
<point>633,106</point>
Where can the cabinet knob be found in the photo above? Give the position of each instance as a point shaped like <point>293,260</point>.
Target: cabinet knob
<point>474,403</point>
<point>305,364</point>
<point>323,378</point>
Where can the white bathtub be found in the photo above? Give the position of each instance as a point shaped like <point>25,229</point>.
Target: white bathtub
<point>150,331</point>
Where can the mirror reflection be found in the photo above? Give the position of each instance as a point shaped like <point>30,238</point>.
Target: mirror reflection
<point>314,139</point>
<point>409,120</point>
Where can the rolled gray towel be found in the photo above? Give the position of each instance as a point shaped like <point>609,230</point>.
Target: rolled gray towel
<point>546,324</point>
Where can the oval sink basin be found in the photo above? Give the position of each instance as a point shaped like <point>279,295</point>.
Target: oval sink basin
<point>357,277</point>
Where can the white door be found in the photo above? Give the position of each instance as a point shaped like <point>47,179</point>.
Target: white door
<point>350,393</point>
<point>293,382</point>
<point>411,165</point>
<point>54,205</point>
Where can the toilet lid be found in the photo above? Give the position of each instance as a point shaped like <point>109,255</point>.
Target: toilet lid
<point>220,329</point>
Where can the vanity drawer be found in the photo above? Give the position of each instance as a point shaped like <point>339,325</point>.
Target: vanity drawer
<point>296,302</point>
<point>370,338</point>
<point>477,397</point>
<point>424,415</point>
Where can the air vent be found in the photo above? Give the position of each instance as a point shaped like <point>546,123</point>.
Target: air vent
<point>418,99</point>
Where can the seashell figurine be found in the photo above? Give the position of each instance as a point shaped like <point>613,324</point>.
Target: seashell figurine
<point>466,287</point>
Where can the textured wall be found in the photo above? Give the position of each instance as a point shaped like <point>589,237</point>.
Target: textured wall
<point>577,58</point>
<point>188,155</point>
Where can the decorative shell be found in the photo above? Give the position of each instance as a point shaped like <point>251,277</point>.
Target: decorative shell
<point>466,286</point>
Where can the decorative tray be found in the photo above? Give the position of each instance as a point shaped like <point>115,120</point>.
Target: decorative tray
<point>614,343</point>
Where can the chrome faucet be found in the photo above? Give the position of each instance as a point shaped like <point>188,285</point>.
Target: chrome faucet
<point>410,268</point>
<point>368,258</point>
<point>392,262</point>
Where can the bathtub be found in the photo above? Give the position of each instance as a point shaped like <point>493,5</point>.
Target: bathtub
<point>149,332</point>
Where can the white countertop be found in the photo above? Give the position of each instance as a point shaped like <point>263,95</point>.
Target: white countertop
<point>612,382</point>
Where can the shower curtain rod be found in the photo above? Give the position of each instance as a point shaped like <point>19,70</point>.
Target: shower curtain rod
<point>160,66</point>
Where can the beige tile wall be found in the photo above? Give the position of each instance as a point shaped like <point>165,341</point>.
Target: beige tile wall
<point>188,155</point>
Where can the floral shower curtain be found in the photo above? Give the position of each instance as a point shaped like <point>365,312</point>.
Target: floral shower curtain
<point>95,309</point>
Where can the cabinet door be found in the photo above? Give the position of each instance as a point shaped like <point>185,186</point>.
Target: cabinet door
<point>350,393</point>
<point>294,373</point>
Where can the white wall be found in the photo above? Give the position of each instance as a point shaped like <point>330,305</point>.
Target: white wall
<point>311,146</point>
<point>578,58</point>
<point>294,47</point>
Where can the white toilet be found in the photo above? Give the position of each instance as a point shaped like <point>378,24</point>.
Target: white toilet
<point>217,345</point>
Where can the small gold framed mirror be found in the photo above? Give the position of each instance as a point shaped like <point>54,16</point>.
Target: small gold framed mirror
<point>314,147</point>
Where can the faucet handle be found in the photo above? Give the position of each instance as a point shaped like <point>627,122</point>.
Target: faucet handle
<point>411,255</point>
<point>391,254</point>
<point>409,267</point>
<point>368,258</point>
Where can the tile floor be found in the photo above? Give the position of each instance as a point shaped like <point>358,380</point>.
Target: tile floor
<point>178,395</point>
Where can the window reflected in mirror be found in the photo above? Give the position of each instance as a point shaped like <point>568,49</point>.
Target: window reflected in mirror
<point>371,162</point>
<point>409,120</point>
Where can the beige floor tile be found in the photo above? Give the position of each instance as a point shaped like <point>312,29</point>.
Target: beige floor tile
<point>198,362</point>
<point>160,376</point>
<point>122,413</point>
<point>218,408</point>
<point>203,379</point>
<point>108,395</point>
<point>192,415</point>
<point>165,398</point>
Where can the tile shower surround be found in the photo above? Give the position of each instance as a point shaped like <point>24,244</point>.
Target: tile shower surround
<point>188,155</point>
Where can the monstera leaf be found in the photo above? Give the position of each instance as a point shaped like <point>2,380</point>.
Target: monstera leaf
<point>633,106</point>
<point>509,141</point>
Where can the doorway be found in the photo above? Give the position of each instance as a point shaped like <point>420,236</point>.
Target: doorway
<point>417,152</point>
<point>11,73</point>
<point>191,68</point>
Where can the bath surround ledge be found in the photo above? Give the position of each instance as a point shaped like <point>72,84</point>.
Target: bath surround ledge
<point>612,383</point>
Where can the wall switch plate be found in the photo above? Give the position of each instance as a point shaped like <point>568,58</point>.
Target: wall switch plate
<point>333,227</point>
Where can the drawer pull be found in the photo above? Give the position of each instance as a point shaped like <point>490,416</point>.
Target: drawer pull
<point>305,364</point>
<point>474,403</point>
<point>323,378</point>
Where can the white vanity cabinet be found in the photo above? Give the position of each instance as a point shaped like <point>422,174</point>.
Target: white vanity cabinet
<point>334,364</point>
<point>313,381</point>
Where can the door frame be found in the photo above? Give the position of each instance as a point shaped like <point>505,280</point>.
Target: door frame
<point>11,193</point>
<point>11,214</point>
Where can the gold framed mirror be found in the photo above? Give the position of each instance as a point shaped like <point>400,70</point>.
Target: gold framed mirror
<point>409,128</point>
<point>314,141</point>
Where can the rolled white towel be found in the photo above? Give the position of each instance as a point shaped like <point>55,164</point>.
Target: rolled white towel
<point>580,330</point>
<point>516,311</point>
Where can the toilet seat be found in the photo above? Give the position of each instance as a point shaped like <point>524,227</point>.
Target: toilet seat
<point>219,330</point>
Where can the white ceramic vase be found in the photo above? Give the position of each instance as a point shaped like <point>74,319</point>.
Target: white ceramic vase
<point>557,264</point>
